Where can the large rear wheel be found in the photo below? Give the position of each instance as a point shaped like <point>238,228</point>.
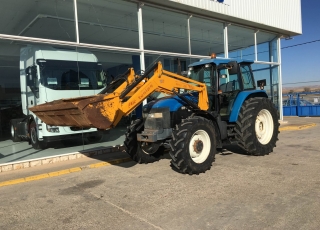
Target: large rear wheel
<point>141,152</point>
<point>257,127</point>
<point>193,145</point>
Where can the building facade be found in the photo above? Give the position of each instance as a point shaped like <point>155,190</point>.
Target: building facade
<point>123,34</point>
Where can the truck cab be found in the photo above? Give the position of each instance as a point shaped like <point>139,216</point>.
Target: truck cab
<point>48,74</point>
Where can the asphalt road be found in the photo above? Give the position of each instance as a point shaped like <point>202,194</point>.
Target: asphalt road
<point>279,191</point>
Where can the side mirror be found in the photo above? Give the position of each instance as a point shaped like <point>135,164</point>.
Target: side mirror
<point>30,76</point>
<point>262,83</point>
<point>232,67</point>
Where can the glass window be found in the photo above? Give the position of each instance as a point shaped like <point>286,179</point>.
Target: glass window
<point>228,82</point>
<point>206,37</point>
<point>241,42</point>
<point>246,77</point>
<point>164,30</point>
<point>72,75</point>
<point>203,74</point>
<point>33,18</point>
<point>265,47</point>
<point>112,23</point>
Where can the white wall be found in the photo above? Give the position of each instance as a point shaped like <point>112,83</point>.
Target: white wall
<point>281,14</point>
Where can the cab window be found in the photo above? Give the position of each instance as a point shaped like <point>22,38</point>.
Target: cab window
<point>246,76</point>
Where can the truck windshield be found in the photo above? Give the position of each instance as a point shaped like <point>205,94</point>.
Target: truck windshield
<point>71,75</point>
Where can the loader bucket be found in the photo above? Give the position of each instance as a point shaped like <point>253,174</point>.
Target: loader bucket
<point>97,111</point>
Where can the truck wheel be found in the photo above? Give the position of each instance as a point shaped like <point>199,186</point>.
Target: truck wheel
<point>96,138</point>
<point>36,144</point>
<point>141,152</point>
<point>257,127</point>
<point>14,135</point>
<point>193,145</point>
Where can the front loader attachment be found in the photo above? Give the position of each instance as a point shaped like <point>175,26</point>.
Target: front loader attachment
<point>104,111</point>
<point>97,111</point>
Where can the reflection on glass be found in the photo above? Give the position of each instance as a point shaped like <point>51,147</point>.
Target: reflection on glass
<point>111,22</point>
<point>265,47</point>
<point>33,18</point>
<point>206,37</point>
<point>164,30</point>
<point>241,43</point>
<point>72,75</point>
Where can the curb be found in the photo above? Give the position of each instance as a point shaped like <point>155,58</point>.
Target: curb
<point>297,127</point>
<point>58,158</point>
<point>63,172</point>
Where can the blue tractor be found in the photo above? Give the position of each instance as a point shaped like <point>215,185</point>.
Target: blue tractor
<point>238,113</point>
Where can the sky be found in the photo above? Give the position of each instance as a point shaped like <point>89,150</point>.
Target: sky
<point>300,63</point>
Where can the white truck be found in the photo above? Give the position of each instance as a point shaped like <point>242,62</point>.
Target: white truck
<point>47,74</point>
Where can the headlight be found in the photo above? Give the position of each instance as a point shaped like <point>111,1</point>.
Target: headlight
<point>155,115</point>
<point>53,129</point>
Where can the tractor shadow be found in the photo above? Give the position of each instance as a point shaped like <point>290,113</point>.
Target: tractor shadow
<point>232,149</point>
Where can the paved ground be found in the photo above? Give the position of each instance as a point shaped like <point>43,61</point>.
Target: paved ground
<point>279,191</point>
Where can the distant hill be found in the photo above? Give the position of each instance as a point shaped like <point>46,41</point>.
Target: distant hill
<point>300,89</point>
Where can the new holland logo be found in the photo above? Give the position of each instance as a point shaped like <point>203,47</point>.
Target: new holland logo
<point>226,2</point>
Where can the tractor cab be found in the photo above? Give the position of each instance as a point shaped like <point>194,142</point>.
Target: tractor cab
<point>225,79</point>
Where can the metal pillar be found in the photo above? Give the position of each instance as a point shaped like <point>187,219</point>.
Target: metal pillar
<point>140,30</point>
<point>271,70</point>
<point>255,45</point>
<point>141,47</point>
<point>225,34</point>
<point>280,79</point>
<point>189,37</point>
<point>76,20</point>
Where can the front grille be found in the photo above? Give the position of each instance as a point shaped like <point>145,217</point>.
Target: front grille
<point>78,129</point>
<point>158,123</point>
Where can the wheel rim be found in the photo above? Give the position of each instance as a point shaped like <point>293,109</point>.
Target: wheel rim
<point>150,148</point>
<point>199,146</point>
<point>264,126</point>
<point>12,131</point>
<point>33,135</point>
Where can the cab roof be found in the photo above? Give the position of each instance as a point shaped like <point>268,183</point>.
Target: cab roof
<point>218,61</point>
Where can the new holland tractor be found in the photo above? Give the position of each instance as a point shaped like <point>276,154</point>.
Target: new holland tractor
<point>216,103</point>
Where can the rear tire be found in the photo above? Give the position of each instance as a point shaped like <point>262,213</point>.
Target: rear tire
<point>136,149</point>
<point>14,135</point>
<point>36,144</point>
<point>193,145</point>
<point>257,127</point>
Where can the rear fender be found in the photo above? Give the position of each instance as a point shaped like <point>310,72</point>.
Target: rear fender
<point>241,97</point>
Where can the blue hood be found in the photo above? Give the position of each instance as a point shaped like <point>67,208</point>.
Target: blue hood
<point>171,102</point>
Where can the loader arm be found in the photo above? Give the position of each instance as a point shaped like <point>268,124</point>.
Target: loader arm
<point>105,111</point>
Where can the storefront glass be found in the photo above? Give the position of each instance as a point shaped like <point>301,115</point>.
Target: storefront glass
<point>111,23</point>
<point>164,30</point>
<point>206,37</point>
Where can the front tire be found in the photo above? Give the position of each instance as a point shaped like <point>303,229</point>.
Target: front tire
<point>141,152</point>
<point>257,127</point>
<point>36,144</point>
<point>193,145</point>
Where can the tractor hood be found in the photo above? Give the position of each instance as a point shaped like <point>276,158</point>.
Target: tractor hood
<point>171,102</point>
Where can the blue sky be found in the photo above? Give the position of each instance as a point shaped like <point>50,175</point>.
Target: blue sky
<point>300,63</point>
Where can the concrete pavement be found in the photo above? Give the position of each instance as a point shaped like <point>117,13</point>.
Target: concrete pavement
<point>278,191</point>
